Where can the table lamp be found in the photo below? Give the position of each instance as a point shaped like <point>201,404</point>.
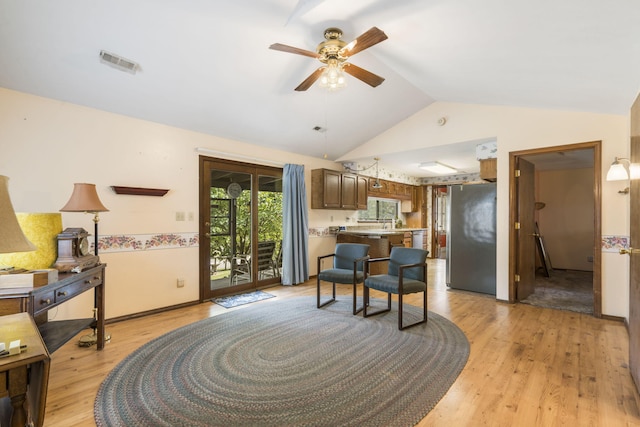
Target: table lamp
<point>12,239</point>
<point>84,198</point>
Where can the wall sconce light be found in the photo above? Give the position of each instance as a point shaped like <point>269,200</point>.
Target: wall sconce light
<point>437,167</point>
<point>617,171</point>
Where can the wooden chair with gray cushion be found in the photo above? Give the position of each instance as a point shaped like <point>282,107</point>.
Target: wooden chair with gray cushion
<point>407,274</point>
<point>348,268</point>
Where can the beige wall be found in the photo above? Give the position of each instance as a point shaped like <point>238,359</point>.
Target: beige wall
<point>48,145</point>
<point>566,221</point>
<point>522,129</point>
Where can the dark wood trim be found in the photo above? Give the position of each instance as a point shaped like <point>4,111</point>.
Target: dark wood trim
<point>596,146</point>
<point>206,164</point>
<point>616,319</point>
<point>150,312</point>
<point>139,191</point>
<point>513,217</point>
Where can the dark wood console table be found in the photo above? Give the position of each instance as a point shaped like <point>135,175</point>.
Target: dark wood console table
<point>38,301</point>
<point>24,374</point>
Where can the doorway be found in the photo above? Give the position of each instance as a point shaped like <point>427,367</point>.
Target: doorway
<point>240,225</point>
<point>568,220</point>
<point>439,221</point>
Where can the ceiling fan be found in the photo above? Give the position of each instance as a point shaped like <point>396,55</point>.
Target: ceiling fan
<point>334,53</point>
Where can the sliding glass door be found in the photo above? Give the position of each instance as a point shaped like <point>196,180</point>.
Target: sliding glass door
<point>240,226</point>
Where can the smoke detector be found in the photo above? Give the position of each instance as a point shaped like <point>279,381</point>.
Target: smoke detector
<point>118,62</point>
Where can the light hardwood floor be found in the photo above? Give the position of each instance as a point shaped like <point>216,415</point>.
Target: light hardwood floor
<point>528,366</point>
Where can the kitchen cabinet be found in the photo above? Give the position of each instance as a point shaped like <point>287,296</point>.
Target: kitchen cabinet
<point>412,204</point>
<point>363,193</point>
<point>408,239</point>
<point>334,190</point>
<point>380,245</point>
<point>489,169</point>
<point>392,190</point>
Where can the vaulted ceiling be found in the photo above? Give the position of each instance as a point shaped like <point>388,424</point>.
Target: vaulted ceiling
<point>206,64</point>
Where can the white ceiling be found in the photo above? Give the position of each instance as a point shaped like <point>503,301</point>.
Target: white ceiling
<point>206,65</point>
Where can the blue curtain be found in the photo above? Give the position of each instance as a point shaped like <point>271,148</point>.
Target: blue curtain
<point>295,226</point>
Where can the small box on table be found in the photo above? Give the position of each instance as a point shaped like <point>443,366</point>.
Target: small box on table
<point>28,278</point>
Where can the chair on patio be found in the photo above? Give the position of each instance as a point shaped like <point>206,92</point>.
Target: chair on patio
<point>348,268</point>
<point>266,263</point>
<point>240,269</point>
<point>407,274</point>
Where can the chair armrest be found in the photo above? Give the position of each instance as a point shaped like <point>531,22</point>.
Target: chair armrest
<point>403,266</point>
<point>363,260</point>
<point>378,259</point>
<point>401,269</point>
<point>366,264</point>
<point>321,257</point>
<point>326,256</point>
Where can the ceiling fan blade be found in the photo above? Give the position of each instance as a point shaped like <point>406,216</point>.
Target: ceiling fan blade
<point>371,37</point>
<point>309,81</point>
<point>362,74</point>
<point>291,49</point>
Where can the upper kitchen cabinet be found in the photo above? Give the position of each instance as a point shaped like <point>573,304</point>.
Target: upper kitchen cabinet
<point>412,204</point>
<point>489,169</point>
<point>334,190</point>
<point>390,189</point>
<point>363,192</point>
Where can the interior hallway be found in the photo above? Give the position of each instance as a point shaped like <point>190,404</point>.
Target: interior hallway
<point>563,290</point>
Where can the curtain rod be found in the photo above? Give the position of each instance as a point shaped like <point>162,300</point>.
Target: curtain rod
<point>233,156</point>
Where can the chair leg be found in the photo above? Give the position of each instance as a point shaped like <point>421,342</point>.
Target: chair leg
<point>366,304</point>
<point>355,299</point>
<point>424,312</point>
<point>326,302</point>
<point>365,300</point>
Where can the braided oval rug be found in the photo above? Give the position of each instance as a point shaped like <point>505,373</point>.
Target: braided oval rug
<point>287,363</point>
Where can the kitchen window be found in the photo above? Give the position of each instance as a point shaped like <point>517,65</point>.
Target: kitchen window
<point>379,209</point>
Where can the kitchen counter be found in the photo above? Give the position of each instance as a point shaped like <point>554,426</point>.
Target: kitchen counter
<point>381,231</point>
<point>381,241</point>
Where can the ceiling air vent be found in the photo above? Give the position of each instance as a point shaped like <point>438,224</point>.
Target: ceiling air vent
<point>118,62</point>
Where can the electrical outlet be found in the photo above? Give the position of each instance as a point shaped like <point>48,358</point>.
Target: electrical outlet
<point>191,216</point>
<point>180,283</point>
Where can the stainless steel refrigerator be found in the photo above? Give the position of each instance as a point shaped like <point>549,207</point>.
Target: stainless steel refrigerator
<point>471,240</point>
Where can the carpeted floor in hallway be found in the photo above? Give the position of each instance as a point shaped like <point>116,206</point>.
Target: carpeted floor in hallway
<point>564,290</point>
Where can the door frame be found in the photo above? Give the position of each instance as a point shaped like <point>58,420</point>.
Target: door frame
<point>255,170</point>
<point>597,214</point>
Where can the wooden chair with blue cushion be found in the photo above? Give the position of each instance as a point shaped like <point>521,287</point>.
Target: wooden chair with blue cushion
<point>348,268</point>
<point>407,274</point>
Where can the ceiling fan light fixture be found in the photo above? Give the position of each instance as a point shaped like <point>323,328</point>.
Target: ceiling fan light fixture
<point>437,167</point>
<point>332,77</point>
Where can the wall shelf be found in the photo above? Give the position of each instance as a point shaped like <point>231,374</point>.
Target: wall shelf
<point>138,191</point>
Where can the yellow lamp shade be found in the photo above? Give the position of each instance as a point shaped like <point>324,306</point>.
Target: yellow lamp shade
<point>41,229</point>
